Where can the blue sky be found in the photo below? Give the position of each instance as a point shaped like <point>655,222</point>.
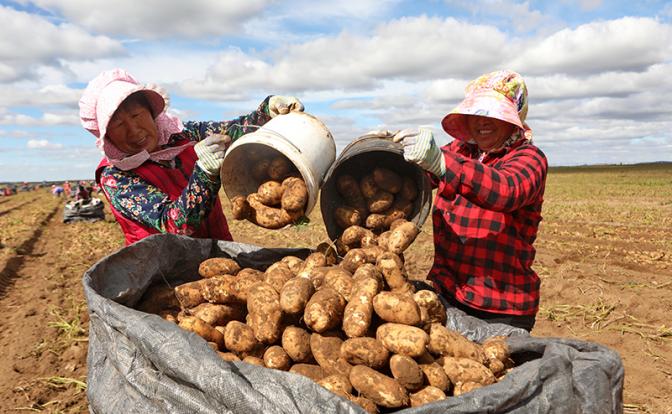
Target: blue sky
<point>599,73</point>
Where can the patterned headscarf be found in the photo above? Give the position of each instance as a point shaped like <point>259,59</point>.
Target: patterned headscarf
<point>501,95</point>
<point>100,100</point>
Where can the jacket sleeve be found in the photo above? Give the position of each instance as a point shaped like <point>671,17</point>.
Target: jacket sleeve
<point>506,187</point>
<point>235,128</point>
<point>138,200</point>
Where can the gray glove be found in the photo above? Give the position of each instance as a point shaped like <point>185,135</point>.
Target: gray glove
<point>420,148</point>
<point>281,105</point>
<point>211,152</point>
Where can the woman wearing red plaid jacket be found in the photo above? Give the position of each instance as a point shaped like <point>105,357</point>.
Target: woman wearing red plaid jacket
<point>490,186</point>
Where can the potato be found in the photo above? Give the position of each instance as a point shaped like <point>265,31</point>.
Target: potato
<point>254,360</point>
<point>353,259</point>
<point>239,337</point>
<point>396,308</point>
<point>402,237</point>
<point>368,186</point>
<point>264,312</point>
<point>365,351</point>
<point>358,313</point>
<point>367,405</point>
<point>387,180</point>
<point>324,310</point>
<point>379,388</point>
<point>348,188</point>
<point>202,329</point>
<point>294,263</point>
<point>249,272</point>
<point>312,371</point>
<point>446,342</point>
<point>228,356</point>
<point>317,276</point>
<point>402,339</point>
<point>158,297</point>
<point>279,168</point>
<point>244,280</point>
<point>276,358</point>
<point>338,384</point>
<point>218,315</point>
<point>295,294</point>
<point>393,214</point>
<point>353,235</point>
<point>467,370</point>
<point>465,387</point>
<point>316,259</point>
<point>375,221</point>
<point>328,249</point>
<point>221,289</point>
<point>327,353</point>
<point>296,342</point>
<point>169,315</point>
<point>340,280</point>
<point>373,253</point>
<point>393,269</point>
<point>496,348</point>
<point>216,266</point>
<point>190,294</point>
<point>368,270</point>
<point>270,193</point>
<point>496,366</point>
<point>269,217</point>
<point>409,190</point>
<point>294,195</point>
<point>405,289</point>
<point>347,216</point>
<point>435,376</point>
<point>277,275</point>
<point>384,239</point>
<point>432,309</point>
<point>407,372</point>
<point>259,169</point>
<point>380,202</point>
<point>427,395</point>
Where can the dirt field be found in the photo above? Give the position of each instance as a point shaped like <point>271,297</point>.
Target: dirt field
<point>604,255</point>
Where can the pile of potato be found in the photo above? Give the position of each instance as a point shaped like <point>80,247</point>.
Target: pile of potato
<point>280,200</point>
<point>375,200</point>
<point>355,325</point>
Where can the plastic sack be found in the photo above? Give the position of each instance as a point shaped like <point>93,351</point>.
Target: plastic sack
<point>140,363</point>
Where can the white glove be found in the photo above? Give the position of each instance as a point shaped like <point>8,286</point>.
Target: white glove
<point>420,148</point>
<point>381,133</point>
<point>211,152</point>
<point>281,105</point>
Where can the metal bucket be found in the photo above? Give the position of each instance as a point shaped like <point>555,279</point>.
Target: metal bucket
<point>359,158</point>
<point>299,136</point>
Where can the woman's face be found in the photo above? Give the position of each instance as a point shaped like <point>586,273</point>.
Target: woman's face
<point>132,128</point>
<point>488,133</point>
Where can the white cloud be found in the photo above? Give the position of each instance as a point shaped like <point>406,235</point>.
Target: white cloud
<point>30,41</point>
<point>42,144</point>
<point>627,44</point>
<point>47,119</point>
<point>155,19</point>
<point>11,95</point>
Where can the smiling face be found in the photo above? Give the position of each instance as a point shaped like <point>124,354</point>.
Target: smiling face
<point>488,133</point>
<point>132,129</point>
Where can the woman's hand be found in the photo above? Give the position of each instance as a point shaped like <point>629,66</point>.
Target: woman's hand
<point>211,152</point>
<point>420,148</point>
<point>281,105</point>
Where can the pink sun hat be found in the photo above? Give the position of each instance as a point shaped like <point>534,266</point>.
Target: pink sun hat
<point>501,95</point>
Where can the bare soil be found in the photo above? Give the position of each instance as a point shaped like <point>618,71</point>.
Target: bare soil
<point>606,279</point>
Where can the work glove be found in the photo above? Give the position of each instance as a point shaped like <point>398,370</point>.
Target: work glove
<point>281,105</point>
<point>211,152</point>
<point>420,148</point>
<point>381,133</point>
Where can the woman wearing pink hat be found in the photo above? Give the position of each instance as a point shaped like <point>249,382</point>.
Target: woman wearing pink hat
<point>156,179</point>
<point>487,210</point>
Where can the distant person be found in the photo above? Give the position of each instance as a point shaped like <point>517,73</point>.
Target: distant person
<point>82,194</point>
<point>487,210</point>
<point>67,189</point>
<point>156,179</point>
<point>57,190</point>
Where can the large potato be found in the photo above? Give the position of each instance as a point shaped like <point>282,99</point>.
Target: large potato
<point>349,189</point>
<point>375,221</point>
<point>294,195</point>
<point>353,235</point>
<point>338,384</point>
<point>435,376</point>
<point>276,358</point>
<point>295,294</point>
<point>358,312</point>
<point>449,343</point>
<point>316,259</point>
<point>340,280</point>
<point>240,208</point>
<point>346,216</point>
<point>496,348</point>
<point>407,372</point>
<point>380,202</point>
<point>327,353</point>
<point>269,217</point>
<point>279,168</point>
<point>465,387</point>
<point>368,270</point>
<point>277,275</point>
<point>239,337</point>
<point>216,266</point>
<point>379,388</point>
<point>467,370</point>
<point>432,309</point>
<point>393,269</point>
<point>264,312</point>
<point>397,308</point>
<point>402,339</point>
<point>202,329</point>
<point>365,351</point>
<point>368,186</point>
<point>353,259</point>
<point>270,193</point>
<point>296,342</point>
<point>402,237</point>
<point>427,395</point>
<point>387,180</point>
<point>221,289</point>
<point>294,263</point>
<point>190,294</point>
<point>324,310</point>
<point>312,371</point>
<point>219,315</point>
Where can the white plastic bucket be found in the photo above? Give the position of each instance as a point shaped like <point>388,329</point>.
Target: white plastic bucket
<point>299,136</point>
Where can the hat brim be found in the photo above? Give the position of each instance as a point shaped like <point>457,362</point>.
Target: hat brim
<point>115,93</point>
<point>489,103</point>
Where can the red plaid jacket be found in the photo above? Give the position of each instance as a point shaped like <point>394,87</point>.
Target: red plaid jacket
<point>485,216</point>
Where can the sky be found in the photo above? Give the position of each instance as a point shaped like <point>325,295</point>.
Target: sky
<point>599,73</point>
